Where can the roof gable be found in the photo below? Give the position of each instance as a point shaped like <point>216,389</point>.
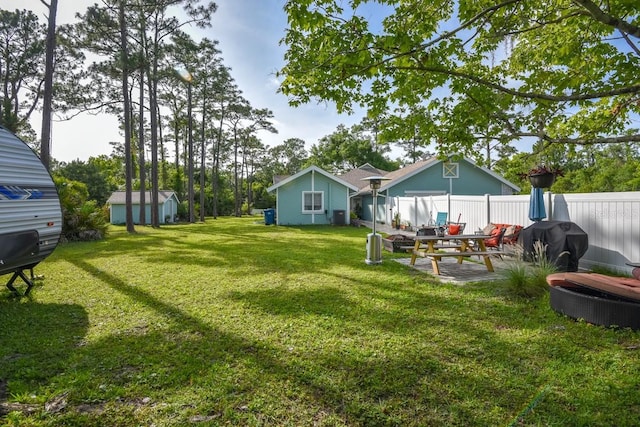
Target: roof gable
<point>400,175</point>
<point>407,172</point>
<point>309,170</point>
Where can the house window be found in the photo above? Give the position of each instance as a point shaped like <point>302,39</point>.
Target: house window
<point>449,170</point>
<point>312,202</point>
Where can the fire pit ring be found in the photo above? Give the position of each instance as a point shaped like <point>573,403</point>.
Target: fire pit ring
<point>595,307</point>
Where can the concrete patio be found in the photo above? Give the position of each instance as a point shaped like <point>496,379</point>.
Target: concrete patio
<point>451,272</point>
<point>468,271</point>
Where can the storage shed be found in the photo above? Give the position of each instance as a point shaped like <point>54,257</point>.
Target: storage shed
<point>30,214</point>
<point>167,207</point>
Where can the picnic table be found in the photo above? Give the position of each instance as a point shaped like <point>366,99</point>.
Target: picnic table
<point>456,245</point>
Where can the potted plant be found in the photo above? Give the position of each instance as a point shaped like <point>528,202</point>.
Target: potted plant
<point>542,176</point>
<point>354,220</point>
<point>395,223</point>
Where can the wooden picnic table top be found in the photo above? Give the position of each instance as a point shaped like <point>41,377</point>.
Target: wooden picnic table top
<point>452,237</point>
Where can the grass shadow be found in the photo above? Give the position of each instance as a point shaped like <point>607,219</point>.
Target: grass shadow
<point>254,325</point>
<point>37,340</point>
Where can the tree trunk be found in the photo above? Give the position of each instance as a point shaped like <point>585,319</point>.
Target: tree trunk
<point>203,155</point>
<point>141,160</point>
<point>45,135</point>
<point>185,169</point>
<point>177,185</point>
<point>190,184</point>
<point>164,176</point>
<point>153,87</point>
<point>215,170</point>
<point>216,165</point>
<point>250,167</point>
<point>236,191</point>
<point>124,55</point>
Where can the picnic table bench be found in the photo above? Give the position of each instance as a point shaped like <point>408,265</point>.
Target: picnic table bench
<point>463,245</point>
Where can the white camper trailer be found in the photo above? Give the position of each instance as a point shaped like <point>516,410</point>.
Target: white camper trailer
<point>30,214</point>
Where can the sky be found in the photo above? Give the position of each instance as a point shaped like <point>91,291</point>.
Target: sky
<point>248,32</point>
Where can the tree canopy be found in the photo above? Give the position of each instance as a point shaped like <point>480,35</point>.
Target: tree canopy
<point>347,149</point>
<point>465,72</point>
<point>468,77</point>
<point>22,49</point>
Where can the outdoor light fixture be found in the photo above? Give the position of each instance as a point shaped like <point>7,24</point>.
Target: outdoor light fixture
<point>374,240</point>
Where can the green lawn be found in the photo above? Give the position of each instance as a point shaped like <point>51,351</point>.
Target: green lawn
<point>235,323</point>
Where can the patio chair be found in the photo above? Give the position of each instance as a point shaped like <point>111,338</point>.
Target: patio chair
<point>495,242</point>
<point>440,223</point>
<point>441,219</point>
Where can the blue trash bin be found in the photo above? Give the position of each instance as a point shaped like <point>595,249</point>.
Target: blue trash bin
<point>269,216</point>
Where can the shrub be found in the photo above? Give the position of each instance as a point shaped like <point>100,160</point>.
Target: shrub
<point>183,211</point>
<point>82,219</point>
<point>530,281</point>
<point>86,222</point>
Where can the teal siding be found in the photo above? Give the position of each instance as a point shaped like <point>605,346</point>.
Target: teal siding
<point>117,214</point>
<point>471,181</point>
<point>367,208</point>
<point>422,177</point>
<point>290,196</point>
<point>167,212</point>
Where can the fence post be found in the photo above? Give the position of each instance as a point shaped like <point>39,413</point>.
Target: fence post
<point>487,198</point>
<point>430,210</point>
<point>397,203</point>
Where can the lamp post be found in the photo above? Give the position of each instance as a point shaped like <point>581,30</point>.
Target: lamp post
<point>374,240</point>
<point>187,77</point>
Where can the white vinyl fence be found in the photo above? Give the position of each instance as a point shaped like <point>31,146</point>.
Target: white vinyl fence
<point>611,220</point>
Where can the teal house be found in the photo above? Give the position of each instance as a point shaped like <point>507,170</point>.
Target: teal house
<point>167,207</point>
<point>428,177</point>
<point>434,176</point>
<point>312,196</point>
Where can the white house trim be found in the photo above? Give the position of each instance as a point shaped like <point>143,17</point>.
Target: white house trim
<point>312,169</point>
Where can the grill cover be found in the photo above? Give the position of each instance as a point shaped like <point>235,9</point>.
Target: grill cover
<point>565,242</point>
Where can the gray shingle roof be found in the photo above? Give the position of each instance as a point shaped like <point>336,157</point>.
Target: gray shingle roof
<point>118,197</point>
<point>355,176</point>
<point>308,170</point>
<point>408,169</point>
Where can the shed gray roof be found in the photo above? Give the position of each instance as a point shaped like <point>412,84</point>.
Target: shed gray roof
<point>118,197</point>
